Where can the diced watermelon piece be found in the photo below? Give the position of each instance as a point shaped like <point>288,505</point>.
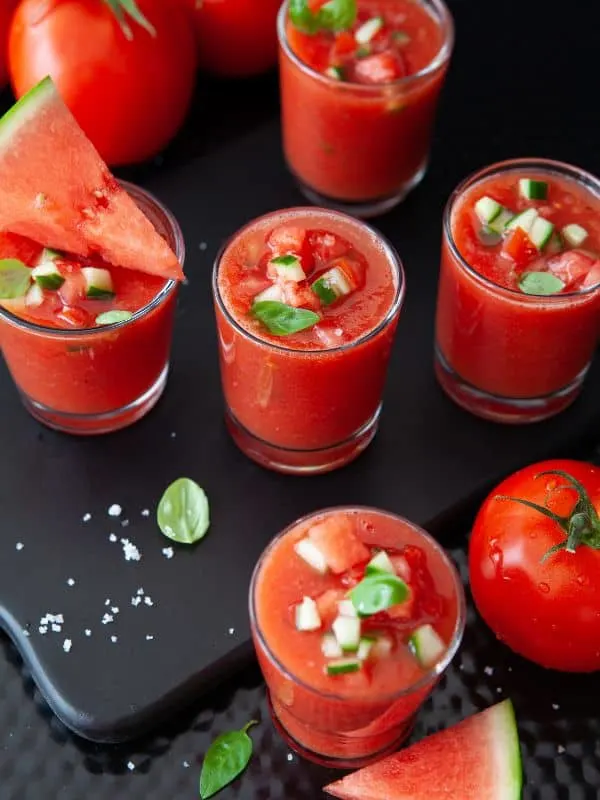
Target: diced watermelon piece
<point>336,539</point>
<point>292,239</point>
<point>401,567</point>
<point>328,245</point>
<point>327,605</point>
<point>478,759</point>
<point>572,267</point>
<point>14,246</point>
<point>402,610</point>
<point>380,68</point>
<point>57,190</point>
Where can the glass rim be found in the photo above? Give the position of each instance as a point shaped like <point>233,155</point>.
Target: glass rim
<point>581,176</point>
<point>439,60</point>
<point>389,251</point>
<point>73,333</point>
<point>425,679</point>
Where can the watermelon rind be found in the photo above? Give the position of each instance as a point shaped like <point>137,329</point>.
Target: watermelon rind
<point>424,771</point>
<point>25,109</point>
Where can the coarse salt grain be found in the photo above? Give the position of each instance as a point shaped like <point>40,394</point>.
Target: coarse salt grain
<point>56,627</point>
<point>149,637</point>
<point>114,510</point>
<point>112,537</point>
<point>124,522</point>
<point>290,757</point>
<point>202,245</point>
<point>25,632</point>
<point>173,434</point>
<point>86,517</point>
<point>231,631</point>
<point>555,706</point>
<point>168,552</point>
<point>130,766</point>
<point>186,764</point>
<point>561,749</point>
<point>135,601</point>
<point>488,670</point>
<point>67,644</point>
<point>113,639</point>
<point>107,618</point>
<point>130,551</point>
<point>107,601</point>
<point>71,582</point>
<point>88,632</point>
<point>145,512</point>
<point>148,600</point>
<point>19,546</point>
<point>43,629</point>
<point>115,609</point>
<point>140,591</point>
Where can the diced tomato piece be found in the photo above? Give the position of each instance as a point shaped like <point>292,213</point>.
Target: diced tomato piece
<point>14,246</point>
<point>73,289</point>
<point>77,317</point>
<point>327,604</point>
<point>593,276</point>
<point>353,268</point>
<point>328,245</point>
<point>519,248</point>
<point>299,295</point>
<point>292,239</point>
<point>344,45</point>
<point>402,610</point>
<point>336,539</point>
<point>401,567</point>
<point>572,266</point>
<point>380,68</point>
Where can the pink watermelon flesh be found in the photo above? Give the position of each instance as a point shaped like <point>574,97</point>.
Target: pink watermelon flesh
<point>56,190</point>
<point>478,759</point>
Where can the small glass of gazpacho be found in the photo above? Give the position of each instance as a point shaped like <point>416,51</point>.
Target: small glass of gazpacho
<point>355,614</point>
<point>518,314</point>
<point>360,83</point>
<point>87,343</point>
<point>307,303</point>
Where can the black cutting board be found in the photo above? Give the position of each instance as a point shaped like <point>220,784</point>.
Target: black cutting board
<point>430,460</point>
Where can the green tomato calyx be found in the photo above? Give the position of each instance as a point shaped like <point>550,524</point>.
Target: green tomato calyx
<point>581,526</point>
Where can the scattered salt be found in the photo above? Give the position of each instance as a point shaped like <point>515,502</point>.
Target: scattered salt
<point>168,552</point>
<point>149,637</point>
<point>67,644</point>
<point>130,766</point>
<point>148,600</point>
<point>202,245</point>
<point>114,510</point>
<point>112,537</point>
<point>231,631</point>
<point>115,609</point>
<point>499,690</point>
<point>140,591</point>
<point>173,434</point>
<point>56,628</point>
<point>88,632</point>
<point>107,618</point>
<point>124,522</point>
<point>145,512</point>
<point>130,551</point>
<point>87,517</point>
<point>290,756</point>
<point>43,629</point>
<point>113,639</point>
<point>555,706</point>
<point>488,670</point>
<point>19,545</point>
<point>135,601</point>
<point>186,764</point>
<point>561,749</point>
<point>25,632</point>
<point>107,601</point>
<point>71,582</point>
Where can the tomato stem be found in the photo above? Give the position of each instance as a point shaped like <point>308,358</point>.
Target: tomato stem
<point>581,526</point>
<point>124,8</point>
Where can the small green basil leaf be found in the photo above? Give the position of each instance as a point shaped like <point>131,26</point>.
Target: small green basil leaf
<point>540,283</point>
<point>225,759</point>
<point>285,261</point>
<point>183,512</point>
<point>375,593</point>
<point>302,17</point>
<point>337,15</point>
<point>110,317</point>
<point>281,319</point>
<point>15,278</point>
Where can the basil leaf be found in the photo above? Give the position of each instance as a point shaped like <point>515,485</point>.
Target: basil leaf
<point>110,317</point>
<point>225,759</point>
<point>337,15</point>
<point>285,261</point>
<point>540,283</point>
<point>281,320</point>
<point>375,593</point>
<point>15,278</point>
<point>183,512</point>
<point>302,17</point>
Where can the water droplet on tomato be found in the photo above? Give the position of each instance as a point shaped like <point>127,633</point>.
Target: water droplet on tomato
<point>544,588</point>
<point>580,580</point>
<point>495,555</point>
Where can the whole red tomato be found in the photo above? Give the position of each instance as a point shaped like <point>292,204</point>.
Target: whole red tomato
<point>535,570</point>
<point>130,95</point>
<point>236,38</point>
<point>7,8</point>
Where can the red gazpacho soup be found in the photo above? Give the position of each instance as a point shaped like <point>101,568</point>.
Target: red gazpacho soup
<point>518,314</point>
<point>355,613</point>
<point>307,303</point>
<point>87,342</point>
<point>359,91</point>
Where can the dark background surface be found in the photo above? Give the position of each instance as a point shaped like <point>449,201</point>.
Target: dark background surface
<point>522,83</point>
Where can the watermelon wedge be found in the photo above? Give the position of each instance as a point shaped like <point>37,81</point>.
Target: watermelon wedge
<point>56,190</point>
<point>478,759</point>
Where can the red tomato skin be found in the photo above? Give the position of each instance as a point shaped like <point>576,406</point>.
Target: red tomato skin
<point>548,612</point>
<point>7,8</point>
<point>236,38</point>
<point>130,97</point>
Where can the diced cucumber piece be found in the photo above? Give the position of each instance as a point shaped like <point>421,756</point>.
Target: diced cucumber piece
<point>379,563</point>
<point>540,232</point>
<point>487,209</point>
<point>533,190</point>
<point>524,220</point>
<point>49,255</point>
<point>346,608</point>
<point>364,648</point>
<point>270,293</point>
<point>34,296</point>
<point>499,224</point>
<point>488,237</point>
<point>427,646</point>
<point>330,286</point>
<point>574,234</point>
<point>368,30</point>
<point>98,283</point>
<point>309,552</point>
<point>400,37</point>
<point>363,51</point>
<point>330,646</point>
<point>342,666</point>
<point>288,268</point>
<point>307,615</point>
<point>337,73</point>
<point>347,632</point>
<point>382,646</point>
<point>556,243</point>
<point>47,276</point>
